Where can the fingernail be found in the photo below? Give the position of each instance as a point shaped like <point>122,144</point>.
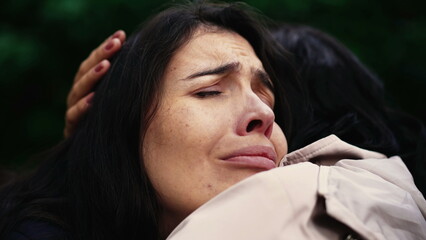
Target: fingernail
<point>109,45</point>
<point>116,34</point>
<point>99,67</point>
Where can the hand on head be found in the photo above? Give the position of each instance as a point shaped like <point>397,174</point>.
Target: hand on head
<point>90,71</point>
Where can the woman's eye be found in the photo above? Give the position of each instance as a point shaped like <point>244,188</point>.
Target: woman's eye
<point>204,94</point>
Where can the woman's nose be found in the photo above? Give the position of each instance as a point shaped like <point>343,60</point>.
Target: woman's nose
<point>257,118</point>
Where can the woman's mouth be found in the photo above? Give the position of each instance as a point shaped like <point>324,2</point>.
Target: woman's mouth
<point>253,157</point>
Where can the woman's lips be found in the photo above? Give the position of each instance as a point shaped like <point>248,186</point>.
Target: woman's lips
<point>254,156</point>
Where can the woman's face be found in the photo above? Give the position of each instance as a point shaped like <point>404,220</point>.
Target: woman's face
<point>215,124</point>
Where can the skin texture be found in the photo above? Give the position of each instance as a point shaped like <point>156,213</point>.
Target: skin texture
<point>204,117</point>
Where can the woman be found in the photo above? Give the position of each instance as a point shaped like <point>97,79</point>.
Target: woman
<point>211,127</point>
<point>184,112</point>
<point>345,197</point>
<point>345,98</point>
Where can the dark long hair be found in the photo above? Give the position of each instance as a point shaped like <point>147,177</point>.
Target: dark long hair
<point>93,185</point>
<point>348,100</point>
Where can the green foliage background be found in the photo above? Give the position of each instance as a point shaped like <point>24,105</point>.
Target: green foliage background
<point>43,42</point>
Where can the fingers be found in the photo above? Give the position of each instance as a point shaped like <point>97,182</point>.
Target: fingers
<point>89,73</point>
<point>74,113</point>
<point>87,82</point>
<point>108,48</point>
<point>94,67</point>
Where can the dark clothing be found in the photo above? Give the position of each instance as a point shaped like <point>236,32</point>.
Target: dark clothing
<point>37,230</point>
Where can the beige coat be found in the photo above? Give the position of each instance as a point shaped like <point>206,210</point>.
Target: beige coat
<point>322,192</point>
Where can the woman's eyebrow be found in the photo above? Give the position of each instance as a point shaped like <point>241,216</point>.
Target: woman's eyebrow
<point>226,68</point>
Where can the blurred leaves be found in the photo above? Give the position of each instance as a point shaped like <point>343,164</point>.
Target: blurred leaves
<point>43,42</point>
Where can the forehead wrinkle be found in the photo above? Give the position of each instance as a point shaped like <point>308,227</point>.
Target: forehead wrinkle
<point>216,62</point>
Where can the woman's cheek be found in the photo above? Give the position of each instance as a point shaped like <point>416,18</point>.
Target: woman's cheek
<point>279,141</point>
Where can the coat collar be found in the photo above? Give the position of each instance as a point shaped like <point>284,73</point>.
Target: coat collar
<point>328,151</point>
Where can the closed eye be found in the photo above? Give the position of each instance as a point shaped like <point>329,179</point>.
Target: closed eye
<point>205,94</point>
